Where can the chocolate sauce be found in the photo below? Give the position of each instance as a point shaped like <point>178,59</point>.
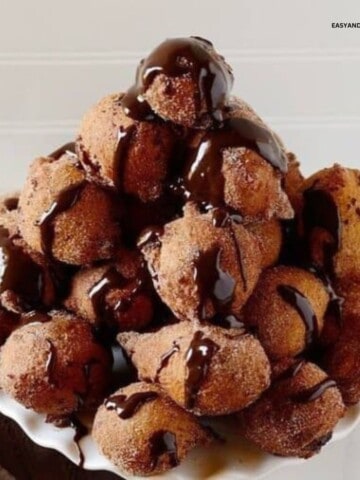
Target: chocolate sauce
<point>179,57</point>
<point>11,203</point>
<point>113,279</point>
<point>292,371</point>
<point>224,218</point>
<point>198,359</point>
<point>91,168</point>
<point>19,273</point>
<point>316,445</point>
<point>164,443</point>
<point>334,308</point>
<point>124,137</point>
<point>302,305</point>
<point>320,211</point>
<point>65,200</point>
<point>165,359</point>
<point>51,362</point>
<point>150,236</point>
<point>212,282</point>
<point>68,148</point>
<point>203,179</point>
<point>228,321</point>
<point>314,392</point>
<point>80,431</point>
<point>126,407</point>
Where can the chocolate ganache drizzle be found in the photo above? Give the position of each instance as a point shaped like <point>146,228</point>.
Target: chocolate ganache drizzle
<point>113,279</point>
<point>334,308</point>
<point>198,359</point>
<point>80,431</point>
<point>162,443</point>
<point>19,273</point>
<point>203,178</point>
<point>178,57</point>
<point>51,362</point>
<point>212,282</point>
<point>314,392</point>
<point>165,359</point>
<point>126,407</point>
<point>302,305</point>
<point>65,200</point>
<point>320,211</point>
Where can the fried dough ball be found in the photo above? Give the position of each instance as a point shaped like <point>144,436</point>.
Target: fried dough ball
<point>63,216</point>
<point>240,166</point>
<point>293,182</point>
<point>342,361</point>
<point>143,432</point>
<point>287,308</point>
<point>330,220</point>
<point>200,269</point>
<point>9,212</point>
<point>269,237</point>
<point>55,367</point>
<point>207,370</point>
<point>185,81</point>
<point>296,415</point>
<point>119,294</point>
<point>132,156</point>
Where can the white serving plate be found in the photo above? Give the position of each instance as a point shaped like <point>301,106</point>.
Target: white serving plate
<point>234,460</point>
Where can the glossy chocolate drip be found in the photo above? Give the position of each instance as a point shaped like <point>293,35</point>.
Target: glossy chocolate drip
<point>64,201</point>
<point>334,308</point>
<point>165,359</point>
<point>11,203</point>
<point>124,137</point>
<point>19,273</point>
<point>212,282</point>
<point>223,218</point>
<point>91,168</point>
<point>302,305</point>
<point>317,444</point>
<point>68,148</point>
<point>80,431</point>
<point>203,178</point>
<point>150,236</point>
<point>51,363</point>
<point>126,407</point>
<point>314,392</point>
<point>179,57</point>
<point>134,104</point>
<point>320,211</point>
<point>164,443</point>
<point>113,279</point>
<point>198,359</point>
<point>228,321</point>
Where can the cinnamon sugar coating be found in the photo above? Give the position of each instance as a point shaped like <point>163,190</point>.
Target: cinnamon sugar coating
<point>235,372</point>
<point>55,367</point>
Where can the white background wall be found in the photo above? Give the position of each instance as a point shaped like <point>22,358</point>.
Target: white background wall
<point>57,58</point>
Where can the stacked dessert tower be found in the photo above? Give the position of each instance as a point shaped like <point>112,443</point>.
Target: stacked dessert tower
<point>178,227</point>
